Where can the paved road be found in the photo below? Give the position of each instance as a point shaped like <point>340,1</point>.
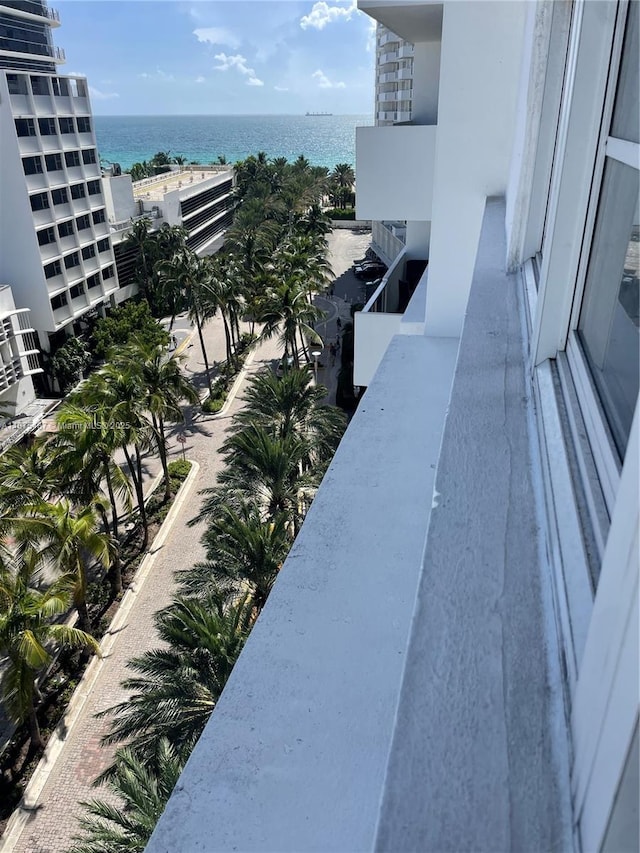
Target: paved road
<point>52,822</point>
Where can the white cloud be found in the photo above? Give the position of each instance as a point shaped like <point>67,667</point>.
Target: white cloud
<point>322,14</point>
<point>158,74</point>
<point>240,64</point>
<point>281,88</point>
<point>217,35</point>
<point>200,79</point>
<point>97,95</point>
<point>324,82</point>
<point>371,36</point>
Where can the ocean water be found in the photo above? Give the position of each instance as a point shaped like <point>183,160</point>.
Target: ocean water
<point>324,140</point>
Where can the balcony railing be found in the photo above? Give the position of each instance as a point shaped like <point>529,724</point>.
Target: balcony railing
<point>31,48</point>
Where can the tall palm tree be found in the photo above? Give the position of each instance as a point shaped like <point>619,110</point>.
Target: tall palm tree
<point>185,272</point>
<point>244,552</point>
<point>287,313</point>
<point>26,476</point>
<point>83,450</point>
<point>291,405</point>
<point>29,635</point>
<point>140,239</point>
<point>222,289</point>
<point>163,388</point>
<point>143,787</point>
<point>69,540</point>
<point>176,687</point>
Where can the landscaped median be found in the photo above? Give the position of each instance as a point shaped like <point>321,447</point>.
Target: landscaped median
<point>224,386</point>
<point>70,680</point>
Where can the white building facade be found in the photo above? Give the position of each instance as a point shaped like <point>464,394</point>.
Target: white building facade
<point>449,658</point>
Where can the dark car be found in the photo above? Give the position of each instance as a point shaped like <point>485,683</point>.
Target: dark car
<point>367,272</point>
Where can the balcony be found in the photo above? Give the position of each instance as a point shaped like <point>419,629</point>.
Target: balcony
<point>390,56</point>
<point>21,49</point>
<point>395,172</point>
<point>40,12</point>
<point>388,38</point>
<point>413,20</point>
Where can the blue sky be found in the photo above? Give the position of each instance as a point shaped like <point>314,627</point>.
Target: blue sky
<point>232,57</point>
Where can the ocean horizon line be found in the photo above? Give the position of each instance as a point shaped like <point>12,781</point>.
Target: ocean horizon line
<point>225,115</point>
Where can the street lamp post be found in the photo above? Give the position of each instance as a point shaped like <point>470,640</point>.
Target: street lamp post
<point>316,355</point>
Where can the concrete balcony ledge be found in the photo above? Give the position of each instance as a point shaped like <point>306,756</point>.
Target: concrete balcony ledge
<point>294,756</point>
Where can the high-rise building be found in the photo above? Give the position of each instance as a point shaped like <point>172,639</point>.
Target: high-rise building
<point>394,77</point>
<point>55,245</point>
<point>448,659</point>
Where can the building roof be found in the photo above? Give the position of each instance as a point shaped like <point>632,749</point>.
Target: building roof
<point>154,189</point>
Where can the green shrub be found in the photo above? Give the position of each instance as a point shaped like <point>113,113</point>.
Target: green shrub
<point>123,323</point>
<point>338,213</point>
<point>179,468</point>
<point>69,363</point>
<point>213,405</point>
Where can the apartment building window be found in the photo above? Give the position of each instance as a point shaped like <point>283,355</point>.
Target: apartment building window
<point>76,291</point>
<point>65,229</point>
<point>89,252</point>
<point>60,87</point>
<point>93,187</point>
<point>32,165</point>
<point>25,127</point>
<point>72,159</point>
<point>39,201</point>
<point>84,124</point>
<point>93,281</point>
<point>103,245</point>
<point>39,85</point>
<point>66,125</point>
<point>83,222</point>
<point>60,196</point>
<point>52,270</point>
<point>78,191</point>
<point>53,162</point>
<point>89,156</point>
<point>46,236</point>
<point>59,301</point>
<point>47,127</point>
<point>71,261</point>
<point>17,84</point>
<point>107,273</point>
<point>98,217</point>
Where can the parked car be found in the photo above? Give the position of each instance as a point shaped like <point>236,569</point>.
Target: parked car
<point>367,272</point>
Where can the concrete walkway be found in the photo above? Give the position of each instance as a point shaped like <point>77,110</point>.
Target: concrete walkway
<point>49,823</point>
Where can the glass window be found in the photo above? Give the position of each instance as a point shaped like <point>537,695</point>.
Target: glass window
<point>78,191</point>
<point>65,229</point>
<point>84,124</point>
<point>59,301</point>
<point>39,201</point>
<point>39,85</point>
<point>25,127</point>
<point>103,245</point>
<point>93,187</point>
<point>66,125</point>
<point>17,84</point>
<point>83,222</point>
<point>60,87</point>
<point>626,111</point>
<point>89,156</point>
<point>98,217</point>
<point>107,273</point>
<point>76,290</point>
<point>609,318</point>
<point>53,162</point>
<point>72,260</point>
<point>93,280</point>
<point>46,236</point>
<point>60,196</point>
<point>72,158</point>
<point>52,270</point>
<point>32,165</point>
<point>89,252</point>
<point>47,127</point>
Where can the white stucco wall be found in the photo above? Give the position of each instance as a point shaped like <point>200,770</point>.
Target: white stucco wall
<point>426,68</point>
<point>395,172</point>
<point>373,333</point>
<point>479,77</point>
<point>118,197</point>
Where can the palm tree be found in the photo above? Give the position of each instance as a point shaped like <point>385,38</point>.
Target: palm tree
<point>28,636</point>
<point>287,313</point>
<point>163,387</point>
<point>343,178</point>
<point>143,787</point>
<point>177,686</point>
<point>115,395</point>
<point>222,289</point>
<point>291,405</point>
<point>145,246</point>
<point>26,476</point>
<point>185,272</point>
<point>68,541</point>
<point>243,551</point>
<point>83,451</point>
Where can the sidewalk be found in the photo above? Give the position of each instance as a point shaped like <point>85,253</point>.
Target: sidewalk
<point>49,824</point>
